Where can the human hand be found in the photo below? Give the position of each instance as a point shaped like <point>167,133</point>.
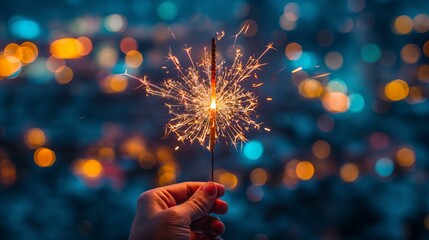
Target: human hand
<point>180,211</point>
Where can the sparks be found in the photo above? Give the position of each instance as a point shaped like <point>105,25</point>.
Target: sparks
<point>209,102</point>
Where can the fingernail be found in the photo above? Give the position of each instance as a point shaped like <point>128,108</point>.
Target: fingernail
<point>209,189</point>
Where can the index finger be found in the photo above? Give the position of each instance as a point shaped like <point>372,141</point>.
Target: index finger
<point>183,191</point>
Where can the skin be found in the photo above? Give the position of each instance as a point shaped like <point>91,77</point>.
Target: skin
<point>180,211</point>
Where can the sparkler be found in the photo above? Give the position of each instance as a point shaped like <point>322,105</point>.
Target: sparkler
<point>209,102</point>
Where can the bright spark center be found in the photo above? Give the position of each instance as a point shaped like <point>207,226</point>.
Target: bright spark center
<point>213,104</point>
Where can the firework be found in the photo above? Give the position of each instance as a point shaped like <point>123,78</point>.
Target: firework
<point>208,101</point>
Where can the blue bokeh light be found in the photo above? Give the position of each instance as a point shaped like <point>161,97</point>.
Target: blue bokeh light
<point>167,11</point>
<point>24,28</point>
<point>306,61</point>
<point>253,150</point>
<point>357,102</point>
<point>371,53</point>
<point>384,167</point>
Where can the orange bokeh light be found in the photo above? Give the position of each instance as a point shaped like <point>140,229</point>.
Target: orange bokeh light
<point>35,138</point>
<point>67,48</point>
<point>304,170</point>
<point>44,157</point>
<point>349,172</point>
<point>396,90</point>
<point>335,102</point>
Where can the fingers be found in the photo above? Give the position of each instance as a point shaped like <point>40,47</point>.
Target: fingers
<point>200,203</point>
<point>216,225</point>
<point>219,207</point>
<point>181,192</point>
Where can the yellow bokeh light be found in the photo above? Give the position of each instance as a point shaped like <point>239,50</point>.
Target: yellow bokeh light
<point>336,102</point>
<point>259,176</point>
<point>67,48</point>
<point>134,147</point>
<point>63,75</point>
<point>35,138</point>
<point>29,56</point>
<point>133,59</point>
<point>310,88</point>
<point>396,90</point>
<point>44,157</point>
<point>304,170</point>
<point>410,53</point>
<point>403,24</point>
<point>9,65</point>
<point>229,180</point>
<point>293,51</point>
<point>349,172</point>
<point>91,168</point>
<point>166,179</point>
<point>115,83</point>
<point>321,149</point>
<point>405,157</point>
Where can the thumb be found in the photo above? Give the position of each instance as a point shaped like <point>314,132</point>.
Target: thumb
<point>200,203</point>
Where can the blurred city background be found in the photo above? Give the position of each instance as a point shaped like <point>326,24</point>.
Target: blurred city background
<point>344,98</point>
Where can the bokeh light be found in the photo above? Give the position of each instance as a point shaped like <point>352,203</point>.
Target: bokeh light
<point>371,53</point>
<point>349,172</point>
<point>35,137</point>
<point>396,90</point>
<point>384,167</point>
<point>67,48</point>
<point>133,59</point>
<point>310,88</point>
<point>253,150</point>
<point>321,149</point>
<point>258,176</point>
<point>403,24</point>
<point>304,170</point>
<point>336,102</point>
<point>44,157</point>
<point>405,157</point>
<point>8,174</point>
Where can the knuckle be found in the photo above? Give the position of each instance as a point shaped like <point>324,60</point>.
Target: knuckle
<point>144,197</point>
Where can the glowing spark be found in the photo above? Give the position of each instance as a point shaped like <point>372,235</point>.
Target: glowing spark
<point>296,70</point>
<point>176,148</point>
<point>209,102</point>
<point>267,129</point>
<point>322,75</point>
<point>257,85</point>
<point>269,99</point>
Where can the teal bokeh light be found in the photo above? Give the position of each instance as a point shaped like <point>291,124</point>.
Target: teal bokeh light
<point>24,28</point>
<point>371,53</point>
<point>357,102</point>
<point>384,167</point>
<point>167,11</point>
<point>307,60</point>
<point>253,150</point>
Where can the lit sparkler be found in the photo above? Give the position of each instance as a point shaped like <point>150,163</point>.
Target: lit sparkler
<point>209,102</point>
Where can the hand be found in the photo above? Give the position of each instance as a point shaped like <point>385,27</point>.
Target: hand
<point>180,211</point>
